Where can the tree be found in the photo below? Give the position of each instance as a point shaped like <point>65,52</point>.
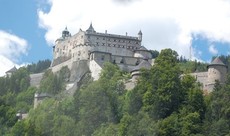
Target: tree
<point>164,94</point>
<point>98,102</point>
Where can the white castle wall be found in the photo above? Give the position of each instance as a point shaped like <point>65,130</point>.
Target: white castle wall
<point>95,69</point>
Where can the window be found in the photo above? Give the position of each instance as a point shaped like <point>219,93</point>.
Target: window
<point>97,38</point>
<point>102,57</point>
<point>122,60</point>
<point>137,63</point>
<point>115,40</point>
<point>103,44</point>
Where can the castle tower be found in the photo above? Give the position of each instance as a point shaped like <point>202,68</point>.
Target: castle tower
<point>140,35</point>
<point>217,70</point>
<point>90,29</point>
<point>65,33</point>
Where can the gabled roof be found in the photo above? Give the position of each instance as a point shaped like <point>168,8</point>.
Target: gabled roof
<point>12,70</point>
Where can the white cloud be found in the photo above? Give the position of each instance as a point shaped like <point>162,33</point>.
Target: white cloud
<point>213,50</point>
<point>164,23</point>
<point>11,48</point>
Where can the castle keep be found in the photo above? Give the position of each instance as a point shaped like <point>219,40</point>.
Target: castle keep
<point>86,51</point>
<point>217,70</point>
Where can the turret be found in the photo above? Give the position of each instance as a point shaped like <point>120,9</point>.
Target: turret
<point>90,29</point>
<point>140,35</point>
<point>65,33</point>
<point>217,70</point>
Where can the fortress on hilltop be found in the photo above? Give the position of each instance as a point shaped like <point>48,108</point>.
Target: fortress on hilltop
<point>86,51</point>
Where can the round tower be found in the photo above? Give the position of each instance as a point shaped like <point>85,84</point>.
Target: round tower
<point>217,70</point>
<point>140,35</point>
<point>136,72</point>
<point>142,52</point>
<point>65,33</point>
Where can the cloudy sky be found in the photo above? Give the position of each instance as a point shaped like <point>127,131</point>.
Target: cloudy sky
<point>28,28</point>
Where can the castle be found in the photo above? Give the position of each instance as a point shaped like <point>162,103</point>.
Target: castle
<point>217,70</point>
<point>86,51</point>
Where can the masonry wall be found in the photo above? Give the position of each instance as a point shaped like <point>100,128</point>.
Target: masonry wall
<point>217,72</point>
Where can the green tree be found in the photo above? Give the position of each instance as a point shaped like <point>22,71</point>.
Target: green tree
<point>164,93</point>
<point>98,103</point>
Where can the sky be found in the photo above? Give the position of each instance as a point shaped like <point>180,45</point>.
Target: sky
<point>196,29</point>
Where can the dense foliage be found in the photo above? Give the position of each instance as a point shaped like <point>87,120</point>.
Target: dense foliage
<point>162,103</point>
<point>38,67</point>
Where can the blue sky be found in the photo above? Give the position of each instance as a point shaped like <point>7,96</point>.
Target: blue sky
<point>28,28</point>
<point>20,18</point>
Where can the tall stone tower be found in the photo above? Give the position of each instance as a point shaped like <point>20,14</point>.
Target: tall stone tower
<point>217,70</point>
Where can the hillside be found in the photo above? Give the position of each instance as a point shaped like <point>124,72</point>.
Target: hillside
<point>162,103</point>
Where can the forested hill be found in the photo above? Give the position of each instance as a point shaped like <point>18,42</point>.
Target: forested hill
<point>163,103</point>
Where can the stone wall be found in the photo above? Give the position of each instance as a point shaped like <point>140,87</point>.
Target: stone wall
<point>35,79</point>
<point>217,72</point>
<point>78,69</point>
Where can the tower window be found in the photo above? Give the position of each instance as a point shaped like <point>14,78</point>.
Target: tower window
<point>102,57</point>
<point>122,60</point>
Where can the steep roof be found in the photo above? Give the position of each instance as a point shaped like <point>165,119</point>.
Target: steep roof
<point>90,29</point>
<point>143,64</point>
<point>12,70</point>
<point>140,33</point>
<point>217,61</point>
